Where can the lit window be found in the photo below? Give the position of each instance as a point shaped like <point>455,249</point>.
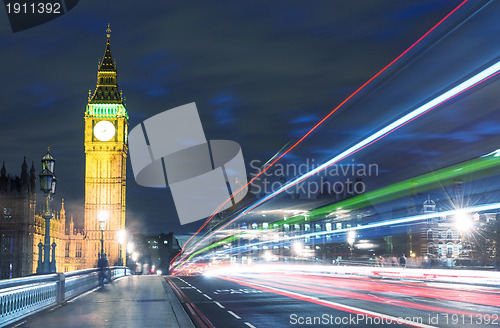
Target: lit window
<point>449,235</point>
<point>7,213</point>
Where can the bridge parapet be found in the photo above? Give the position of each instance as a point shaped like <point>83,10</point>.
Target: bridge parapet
<point>21,297</point>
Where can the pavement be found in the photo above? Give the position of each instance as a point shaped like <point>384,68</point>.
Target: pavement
<point>133,301</point>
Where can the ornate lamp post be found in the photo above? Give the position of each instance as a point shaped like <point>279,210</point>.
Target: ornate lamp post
<point>48,186</point>
<point>128,251</point>
<point>102,216</point>
<point>120,236</point>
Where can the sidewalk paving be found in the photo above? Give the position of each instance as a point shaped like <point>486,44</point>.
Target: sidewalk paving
<point>133,301</point>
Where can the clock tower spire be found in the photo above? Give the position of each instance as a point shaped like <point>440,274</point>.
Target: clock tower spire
<point>106,128</point>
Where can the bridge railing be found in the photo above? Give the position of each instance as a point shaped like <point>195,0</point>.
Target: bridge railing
<point>21,297</point>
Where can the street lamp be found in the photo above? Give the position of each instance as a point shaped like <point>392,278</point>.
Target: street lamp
<point>102,216</point>
<point>463,221</point>
<point>120,236</point>
<point>48,186</point>
<point>128,251</point>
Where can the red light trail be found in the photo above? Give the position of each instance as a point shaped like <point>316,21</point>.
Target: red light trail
<point>324,119</point>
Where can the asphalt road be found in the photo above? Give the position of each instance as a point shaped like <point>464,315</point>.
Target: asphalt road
<point>299,300</point>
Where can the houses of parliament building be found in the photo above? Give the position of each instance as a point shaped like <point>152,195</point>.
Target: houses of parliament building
<point>21,224</point>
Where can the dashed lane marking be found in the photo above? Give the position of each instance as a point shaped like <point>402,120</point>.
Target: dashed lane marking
<point>234,314</point>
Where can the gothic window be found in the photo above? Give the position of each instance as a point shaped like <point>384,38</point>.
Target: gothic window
<point>430,249</point>
<point>66,250</point>
<point>78,252</point>
<point>449,250</point>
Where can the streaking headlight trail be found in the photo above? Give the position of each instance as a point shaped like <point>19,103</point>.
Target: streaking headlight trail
<point>462,87</point>
<point>473,81</point>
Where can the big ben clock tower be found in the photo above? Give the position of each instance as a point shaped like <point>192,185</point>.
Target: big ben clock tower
<point>106,127</point>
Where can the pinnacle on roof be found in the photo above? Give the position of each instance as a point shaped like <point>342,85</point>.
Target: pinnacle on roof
<point>24,166</point>
<point>107,63</point>
<point>107,85</point>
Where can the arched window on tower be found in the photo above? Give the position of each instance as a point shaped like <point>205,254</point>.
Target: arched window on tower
<point>429,234</point>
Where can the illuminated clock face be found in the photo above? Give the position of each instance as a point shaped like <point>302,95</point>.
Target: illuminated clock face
<point>104,130</point>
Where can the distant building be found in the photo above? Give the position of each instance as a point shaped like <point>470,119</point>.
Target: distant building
<point>155,251</point>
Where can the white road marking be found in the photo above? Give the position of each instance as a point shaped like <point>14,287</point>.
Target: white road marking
<point>81,295</point>
<point>377,314</point>
<point>207,296</point>
<point>55,307</point>
<point>220,305</point>
<point>21,323</point>
<point>234,314</point>
<point>249,325</point>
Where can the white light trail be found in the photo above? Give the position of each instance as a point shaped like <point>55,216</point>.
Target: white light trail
<point>469,83</point>
<point>477,208</point>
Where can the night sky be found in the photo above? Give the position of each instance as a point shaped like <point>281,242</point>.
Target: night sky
<point>262,73</point>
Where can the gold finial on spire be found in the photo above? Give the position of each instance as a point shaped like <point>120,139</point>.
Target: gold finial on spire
<point>89,94</point>
<point>108,31</point>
